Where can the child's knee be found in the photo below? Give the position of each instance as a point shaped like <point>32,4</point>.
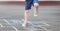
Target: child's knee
<point>36,5</point>
<point>27,11</point>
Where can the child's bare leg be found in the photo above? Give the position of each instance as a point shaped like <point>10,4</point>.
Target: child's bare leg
<point>26,14</point>
<point>36,6</point>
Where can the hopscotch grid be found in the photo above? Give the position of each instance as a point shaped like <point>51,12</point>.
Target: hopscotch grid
<point>10,24</point>
<point>39,26</point>
<point>28,22</point>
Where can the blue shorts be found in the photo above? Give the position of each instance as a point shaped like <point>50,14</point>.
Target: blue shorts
<point>28,3</point>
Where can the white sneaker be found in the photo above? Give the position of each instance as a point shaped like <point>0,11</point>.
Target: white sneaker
<point>35,15</point>
<point>23,25</point>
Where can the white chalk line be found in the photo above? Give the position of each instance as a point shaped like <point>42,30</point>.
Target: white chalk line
<point>39,22</point>
<point>10,24</point>
<point>40,26</point>
<point>28,22</point>
<point>1,25</point>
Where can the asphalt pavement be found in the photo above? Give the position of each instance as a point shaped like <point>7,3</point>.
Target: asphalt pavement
<point>11,16</point>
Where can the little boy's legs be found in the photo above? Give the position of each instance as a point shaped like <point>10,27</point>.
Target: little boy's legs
<point>36,6</point>
<point>26,14</point>
<point>27,11</point>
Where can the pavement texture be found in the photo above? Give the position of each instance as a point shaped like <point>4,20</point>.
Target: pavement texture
<point>11,17</point>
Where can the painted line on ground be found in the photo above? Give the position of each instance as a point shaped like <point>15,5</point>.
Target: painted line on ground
<point>10,24</point>
<point>1,25</point>
<point>39,22</point>
<point>40,26</point>
<point>44,28</point>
